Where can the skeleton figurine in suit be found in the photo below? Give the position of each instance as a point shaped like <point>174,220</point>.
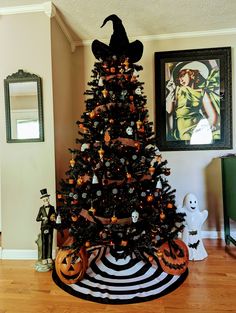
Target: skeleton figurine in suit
<point>47,217</point>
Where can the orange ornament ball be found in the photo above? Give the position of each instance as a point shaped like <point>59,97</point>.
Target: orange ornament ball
<point>150,198</point>
<point>162,216</point>
<point>74,218</point>
<point>150,258</point>
<point>80,181</point>
<point>151,170</point>
<point>114,219</point>
<point>87,244</point>
<point>124,243</point>
<point>92,114</point>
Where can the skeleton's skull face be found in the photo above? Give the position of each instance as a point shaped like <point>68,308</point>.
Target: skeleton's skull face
<point>129,130</point>
<point>135,216</point>
<point>190,202</point>
<point>45,201</point>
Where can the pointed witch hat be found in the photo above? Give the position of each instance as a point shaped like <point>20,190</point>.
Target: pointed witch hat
<point>119,43</point>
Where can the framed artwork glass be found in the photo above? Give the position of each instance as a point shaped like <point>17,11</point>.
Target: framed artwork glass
<point>193,99</point>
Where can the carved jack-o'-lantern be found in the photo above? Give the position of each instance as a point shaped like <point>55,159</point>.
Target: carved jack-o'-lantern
<point>173,257</point>
<point>71,268</point>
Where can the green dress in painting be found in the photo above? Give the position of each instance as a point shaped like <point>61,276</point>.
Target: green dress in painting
<point>190,107</point>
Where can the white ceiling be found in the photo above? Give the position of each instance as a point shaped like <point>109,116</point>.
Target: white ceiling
<point>142,17</point>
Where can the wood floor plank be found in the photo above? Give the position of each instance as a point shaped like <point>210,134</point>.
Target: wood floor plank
<point>210,287</point>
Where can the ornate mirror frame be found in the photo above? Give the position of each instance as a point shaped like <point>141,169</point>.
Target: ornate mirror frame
<point>33,93</point>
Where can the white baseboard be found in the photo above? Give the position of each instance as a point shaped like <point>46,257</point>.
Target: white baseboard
<point>14,254</point>
<point>10,254</point>
<point>213,234</point>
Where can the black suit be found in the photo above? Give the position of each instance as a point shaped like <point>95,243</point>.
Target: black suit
<point>46,229</point>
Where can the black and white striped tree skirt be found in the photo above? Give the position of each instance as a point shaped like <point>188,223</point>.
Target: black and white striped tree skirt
<point>113,279</point>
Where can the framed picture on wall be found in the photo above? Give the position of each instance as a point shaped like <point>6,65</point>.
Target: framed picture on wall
<point>193,99</point>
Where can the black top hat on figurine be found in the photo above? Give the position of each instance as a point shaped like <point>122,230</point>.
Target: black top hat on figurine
<point>44,193</point>
<point>119,43</point>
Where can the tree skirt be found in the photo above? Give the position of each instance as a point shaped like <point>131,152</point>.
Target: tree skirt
<point>113,279</point>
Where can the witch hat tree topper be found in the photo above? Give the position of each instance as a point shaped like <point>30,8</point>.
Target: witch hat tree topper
<point>119,43</point>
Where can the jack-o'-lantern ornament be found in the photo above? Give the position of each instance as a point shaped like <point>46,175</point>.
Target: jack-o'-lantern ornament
<point>173,257</point>
<point>71,268</point>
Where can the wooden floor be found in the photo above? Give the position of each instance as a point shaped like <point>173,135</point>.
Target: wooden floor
<point>209,288</point>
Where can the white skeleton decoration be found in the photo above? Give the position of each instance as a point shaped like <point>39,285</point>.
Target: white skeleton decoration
<point>194,220</point>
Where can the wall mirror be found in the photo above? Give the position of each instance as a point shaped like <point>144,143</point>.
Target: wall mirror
<point>24,107</point>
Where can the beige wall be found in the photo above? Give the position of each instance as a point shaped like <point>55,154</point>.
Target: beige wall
<point>63,99</point>
<point>80,80</point>
<point>191,171</point>
<point>25,167</point>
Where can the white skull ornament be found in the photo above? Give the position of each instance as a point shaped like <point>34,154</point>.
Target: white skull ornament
<point>135,216</point>
<point>129,130</point>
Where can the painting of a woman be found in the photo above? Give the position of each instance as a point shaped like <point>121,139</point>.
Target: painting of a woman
<point>193,101</point>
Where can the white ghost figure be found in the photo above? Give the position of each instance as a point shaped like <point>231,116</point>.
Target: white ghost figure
<point>135,216</point>
<point>194,220</point>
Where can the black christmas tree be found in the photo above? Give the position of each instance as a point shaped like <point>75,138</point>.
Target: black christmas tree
<point>116,194</point>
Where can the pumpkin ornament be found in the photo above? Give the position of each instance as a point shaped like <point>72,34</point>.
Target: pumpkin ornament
<point>173,257</point>
<point>71,269</point>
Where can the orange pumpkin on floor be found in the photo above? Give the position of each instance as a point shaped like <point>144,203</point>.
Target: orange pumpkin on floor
<point>173,257</point>
<point>71,268</point>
